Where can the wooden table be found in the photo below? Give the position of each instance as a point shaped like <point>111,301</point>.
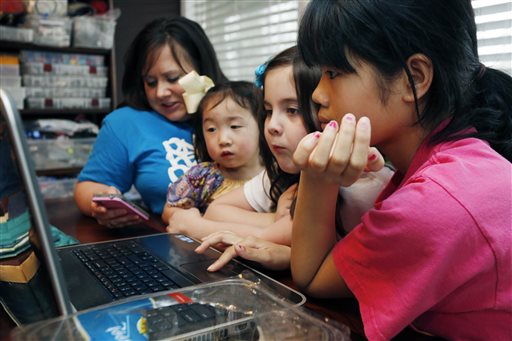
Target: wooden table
<point>64,214</point>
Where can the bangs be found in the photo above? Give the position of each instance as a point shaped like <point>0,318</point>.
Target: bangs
<point>153,52</point>
<point>323,39</point>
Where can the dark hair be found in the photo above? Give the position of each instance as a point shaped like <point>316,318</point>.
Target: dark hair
<point>243,93</point>
<point>386,33</point>
<point>306,80</point>
<point>183,36</point>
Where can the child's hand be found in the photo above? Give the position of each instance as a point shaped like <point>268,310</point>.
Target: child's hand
<point>270,255</point>
<point>183,221</point>
<point>339,155</point>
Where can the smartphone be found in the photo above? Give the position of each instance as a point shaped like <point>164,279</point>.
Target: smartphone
<point>118,201</point>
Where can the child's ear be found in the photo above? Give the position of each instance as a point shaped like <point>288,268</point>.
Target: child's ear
<point>422,72</point>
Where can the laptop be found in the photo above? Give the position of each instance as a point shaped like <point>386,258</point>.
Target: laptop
<point>87,275</point>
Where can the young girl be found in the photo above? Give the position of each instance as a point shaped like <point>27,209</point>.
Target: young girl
<point>227,138</point>
<point>265,201</point>
<point>435,251</point>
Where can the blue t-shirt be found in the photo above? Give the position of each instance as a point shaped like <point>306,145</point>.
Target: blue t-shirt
<point>142,148</point>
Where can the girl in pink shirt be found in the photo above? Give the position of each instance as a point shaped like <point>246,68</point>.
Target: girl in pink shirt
<point>435,251</point>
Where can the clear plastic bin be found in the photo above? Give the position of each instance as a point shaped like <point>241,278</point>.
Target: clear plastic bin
<point>18,94</point>
<point>65,81</point>
<point>31,68</point>
<point>95,32</point>
<point>66,92</point>
<point>54,31</point>
<point>25,35</point>
<point>9,70</point>
<point>10,81</point>
<point>68,103</point>
<point>59,153</point>
<point>53,188</point>
<point>237,309</point>
<point>27,56</point>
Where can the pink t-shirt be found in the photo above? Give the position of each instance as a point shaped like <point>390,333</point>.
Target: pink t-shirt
<point>435,251</point>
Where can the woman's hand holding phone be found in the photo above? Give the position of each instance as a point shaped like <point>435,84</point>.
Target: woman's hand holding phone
<point>112,217</point>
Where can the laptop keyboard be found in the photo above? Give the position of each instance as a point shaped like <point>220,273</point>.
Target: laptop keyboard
<point>126,269</point>
<point>173,320</point>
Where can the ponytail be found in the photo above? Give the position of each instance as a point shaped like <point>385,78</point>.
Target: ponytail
<point>491,110</point>
<point>488,108</point>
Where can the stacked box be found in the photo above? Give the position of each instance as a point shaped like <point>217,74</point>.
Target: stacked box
<point>19,34</point>
<point>10,79</point>
<point>50,31</point>
<point>65,80</point>
<point>56,188</point>
<point>60,153</point>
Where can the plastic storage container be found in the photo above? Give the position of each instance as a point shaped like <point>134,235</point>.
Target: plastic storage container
<point>232,309</point>
<point>65,81</point>
<point>68,103</point>
<point>18,94</point>
<point>31,68</point>
<point>25,35</point>
<point>60,153</point>
<point>53,31</point>
<point>53,188</point>
<point>66,92</point>
<point>95,32</point>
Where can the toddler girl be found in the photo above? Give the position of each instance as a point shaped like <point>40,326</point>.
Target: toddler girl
<point>226,142</point>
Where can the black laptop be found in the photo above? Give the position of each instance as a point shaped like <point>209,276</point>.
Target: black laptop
<point>88,275</point>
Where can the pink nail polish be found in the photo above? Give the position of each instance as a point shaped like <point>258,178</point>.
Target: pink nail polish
<point>333,124</point>
<point>364,122</point>
<point>316,135</point>
<point>372,157</point>
<point>349,117</point>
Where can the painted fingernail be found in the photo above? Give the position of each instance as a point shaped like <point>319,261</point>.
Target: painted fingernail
<point>317,135</point>
<point>372,157</point>
<point>364,122</point>
<point>349,117</point>
<point>333,124</point>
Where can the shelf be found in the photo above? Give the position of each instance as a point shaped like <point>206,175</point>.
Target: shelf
<point>16,46</point>
<point>52,112</point>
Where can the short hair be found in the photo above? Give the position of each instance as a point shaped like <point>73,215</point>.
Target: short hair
<point>185,38</point>
<point>243,93</point>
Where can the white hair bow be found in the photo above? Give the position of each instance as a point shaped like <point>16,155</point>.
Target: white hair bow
<point>195,88</point>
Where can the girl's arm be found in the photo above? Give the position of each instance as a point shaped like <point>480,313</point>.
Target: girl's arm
<point>168,212</point>
<point>191,223</point>
<point>327,161</point>
<point>234,207</point>
<point>275,227</point>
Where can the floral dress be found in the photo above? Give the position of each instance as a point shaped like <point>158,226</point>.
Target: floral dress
<point>199,187</point>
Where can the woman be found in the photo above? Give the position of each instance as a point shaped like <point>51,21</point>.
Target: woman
<point>148,143</point>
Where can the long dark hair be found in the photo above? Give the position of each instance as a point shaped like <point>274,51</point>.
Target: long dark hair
<point>243,93</point>
<point>306,80</point>
<point>387,33</point>
<point>185,38</point>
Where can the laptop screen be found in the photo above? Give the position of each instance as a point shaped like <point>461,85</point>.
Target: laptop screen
<point>31,281</point>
